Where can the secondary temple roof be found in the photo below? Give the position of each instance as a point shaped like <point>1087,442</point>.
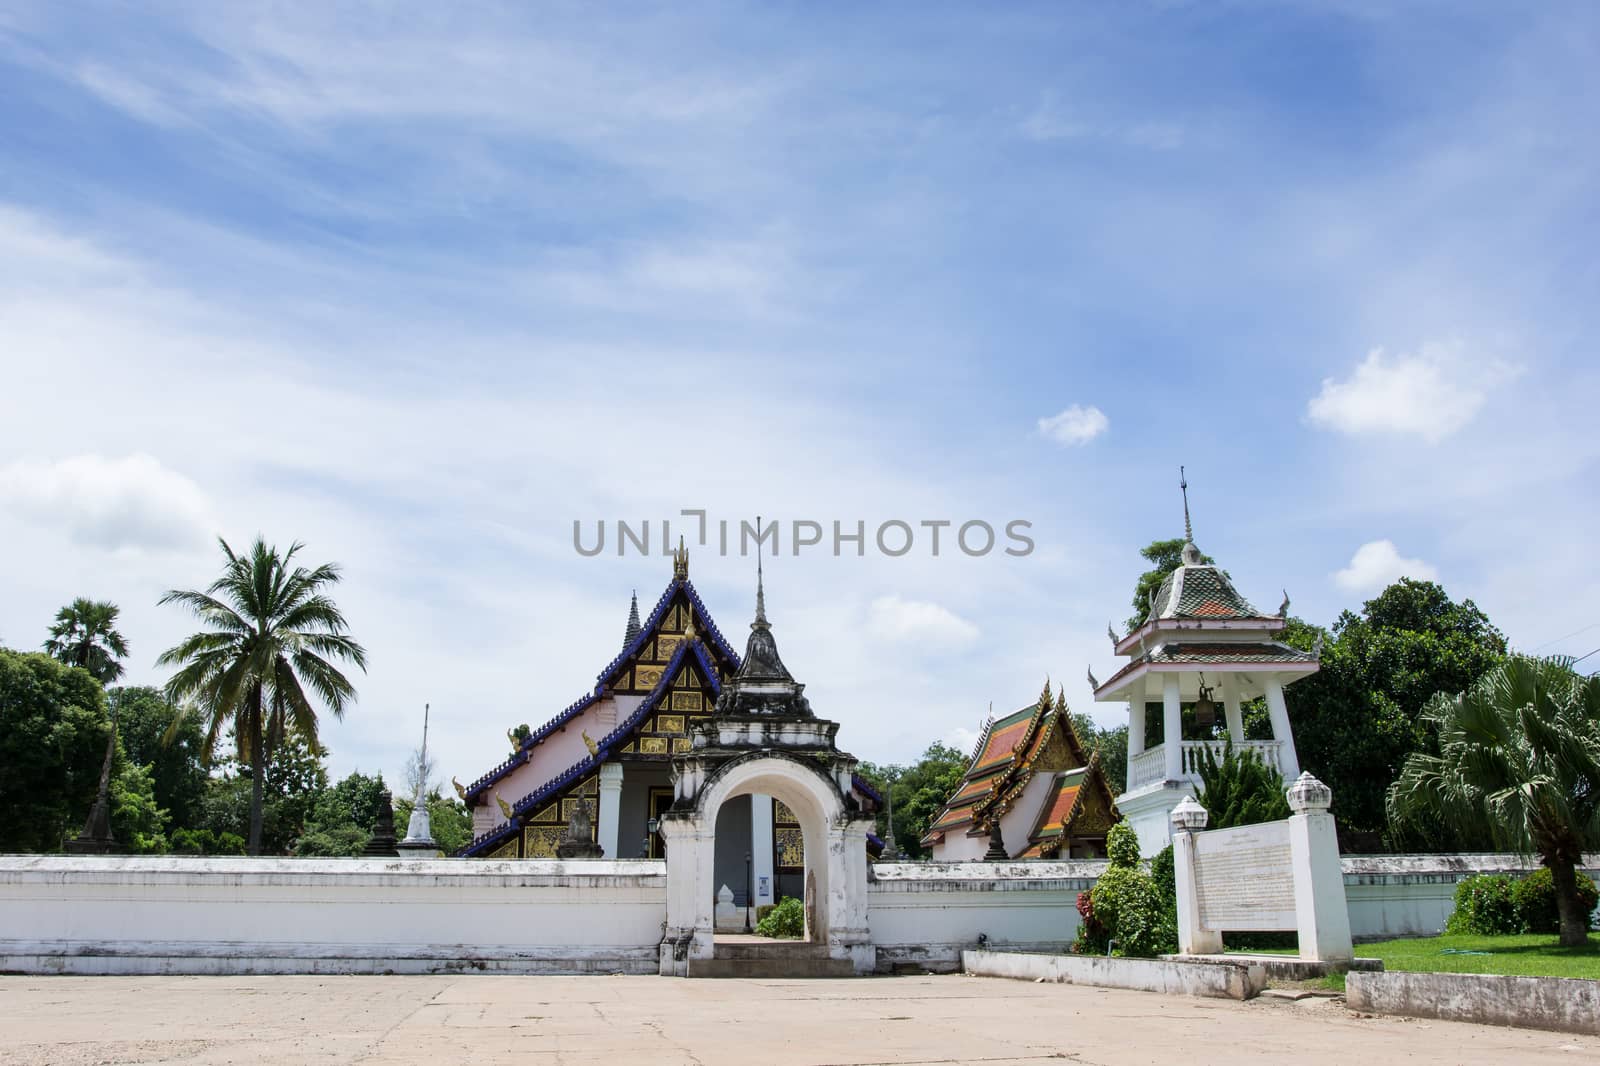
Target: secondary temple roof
<point>1038,738</point>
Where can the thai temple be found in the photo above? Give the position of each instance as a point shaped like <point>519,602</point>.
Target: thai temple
<point>1199,638</point>
<point>1030,792</point>
<point>613,750</point>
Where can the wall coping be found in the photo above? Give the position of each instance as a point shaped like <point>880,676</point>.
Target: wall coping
<point>169,869</point>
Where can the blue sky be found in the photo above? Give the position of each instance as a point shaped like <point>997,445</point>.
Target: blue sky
<point>422,287</point>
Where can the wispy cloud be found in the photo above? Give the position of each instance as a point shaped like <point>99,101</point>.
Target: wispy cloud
<point>120,503</point>
<point>918,622</point>
<point>1051,120</point>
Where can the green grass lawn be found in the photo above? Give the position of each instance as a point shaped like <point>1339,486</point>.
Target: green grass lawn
<point>1532,955</point>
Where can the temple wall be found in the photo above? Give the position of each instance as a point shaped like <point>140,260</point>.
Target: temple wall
<point>924,914</point>
<point>61,914</point>
<point>77,914</point>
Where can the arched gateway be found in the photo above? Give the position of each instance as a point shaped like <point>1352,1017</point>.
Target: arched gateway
<point>762,739</point>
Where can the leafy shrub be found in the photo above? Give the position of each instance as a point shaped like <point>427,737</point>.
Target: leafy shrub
<point>1122,845</point>
<point>1135,918</point>
<point>786,921</point>
<point>1484,907</point>
<point>1534,899</point>
<point>193,841</point>
<point>342,841</point>
<point>1240,789</point>
<point>230,844</point>
<point>205,842</point>
<point>1164,872</point>
<point>1092,936</point>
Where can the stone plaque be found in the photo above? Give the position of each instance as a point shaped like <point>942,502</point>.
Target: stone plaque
<point>1243,878</point>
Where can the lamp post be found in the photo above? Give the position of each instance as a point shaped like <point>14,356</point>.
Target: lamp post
<point>651,827</point>
<point>747,886</point>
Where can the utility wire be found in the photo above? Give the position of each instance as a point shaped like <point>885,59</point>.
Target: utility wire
<point>1575,632</point>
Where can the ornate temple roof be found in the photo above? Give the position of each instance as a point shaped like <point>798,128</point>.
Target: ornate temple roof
<point>691,652</point>
<point>1005,759</point>
<point>758,683</point>
<point>1199,591</point>
<point>639,637</point>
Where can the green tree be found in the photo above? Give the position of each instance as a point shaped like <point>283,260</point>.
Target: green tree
<point>137,821</point>
<point>53,733</point>
<point>1164,556</point>
<point>1361,715</point>
<point>156,734</point>
<point>519,736</point>
<point>271,633</point>
<point>1239,789</point>
<point>85,635</point>
<point>918,792</point>
<point>293,784</point>
<point>1112,747</point>
<point>1519,761</point>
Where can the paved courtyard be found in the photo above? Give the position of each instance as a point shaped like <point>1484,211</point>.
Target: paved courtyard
<point>482,1020</point>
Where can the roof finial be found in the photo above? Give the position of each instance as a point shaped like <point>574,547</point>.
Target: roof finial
<point>632,631</point>
<point>1183,485</point>
<point>680,560</point>
<point>1191,554</point>
<point>761,595</point>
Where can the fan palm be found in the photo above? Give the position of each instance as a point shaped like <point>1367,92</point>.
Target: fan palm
<point>1519,759</point>
<point>270,645</point>
<point>85,634</point>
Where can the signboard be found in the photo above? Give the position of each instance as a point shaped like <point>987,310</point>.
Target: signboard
<point>1244,879</point>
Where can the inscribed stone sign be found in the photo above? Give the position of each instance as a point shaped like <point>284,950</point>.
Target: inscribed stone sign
<point>1243,878</point>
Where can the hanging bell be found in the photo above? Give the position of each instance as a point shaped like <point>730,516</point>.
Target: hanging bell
<point>1205,709</point>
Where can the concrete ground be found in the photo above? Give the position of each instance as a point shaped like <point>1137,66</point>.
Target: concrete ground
<point>482,1020</point>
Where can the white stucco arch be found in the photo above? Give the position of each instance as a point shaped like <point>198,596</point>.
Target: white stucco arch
<point>835,845</point>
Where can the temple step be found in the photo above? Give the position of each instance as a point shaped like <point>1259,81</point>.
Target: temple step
<point>770,959</point>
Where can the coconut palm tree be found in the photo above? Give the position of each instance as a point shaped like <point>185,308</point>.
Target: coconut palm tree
<point>85,634</point>
<point>1519,759</point>
<point>269,648</point>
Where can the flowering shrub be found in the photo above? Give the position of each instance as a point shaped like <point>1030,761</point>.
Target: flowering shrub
<point>1091,931</point>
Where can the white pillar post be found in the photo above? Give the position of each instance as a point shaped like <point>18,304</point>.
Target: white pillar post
<point>761,848</point>
<point>1230,705</point>
<point>1321,910</point>
<point>1135,727</point>
<point>610,808</point>
<point>1278,711</point>
<point>1172,726</point>
<point>1188,818</point>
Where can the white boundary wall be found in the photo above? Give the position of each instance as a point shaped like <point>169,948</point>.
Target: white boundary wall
<point>82,914</point>
<point>924,914</point>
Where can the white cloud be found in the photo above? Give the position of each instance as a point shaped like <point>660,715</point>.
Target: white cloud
<point>1378,564</point>
<point>1430,394</point>
<point>128,503</point>
<point>893,618</point>
<point>961,739</point>
<point>1075,425</point>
